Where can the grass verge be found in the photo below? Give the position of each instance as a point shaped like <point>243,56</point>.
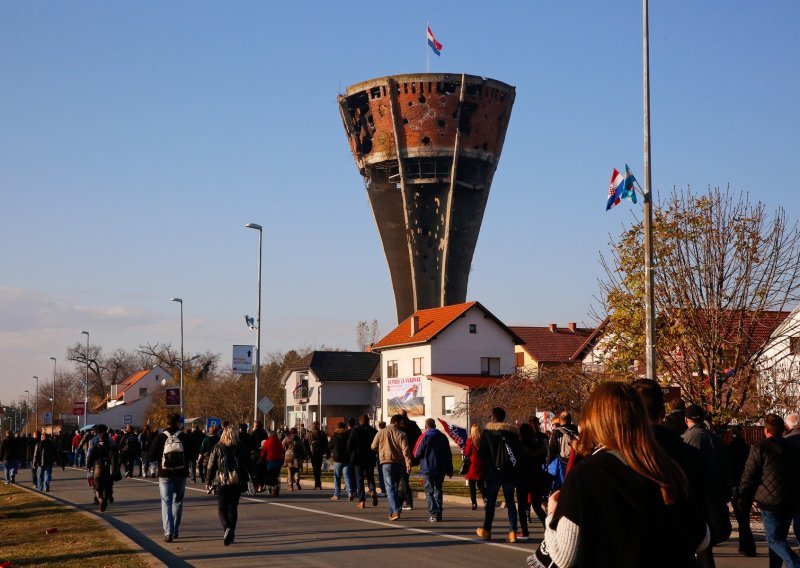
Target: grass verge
<point>79,540</point>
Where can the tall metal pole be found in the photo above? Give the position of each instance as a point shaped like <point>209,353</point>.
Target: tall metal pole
<point>182,400</point>
<point>650,309</point>
<point>53,410</point>
<point>37,402</point>
<point>86,384</point>
<point>27,412</point>
<point>256,371</point>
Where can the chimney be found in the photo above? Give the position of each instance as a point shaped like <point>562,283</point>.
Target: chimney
<point>414,325</point>
<point>552,327</point>
<point>114,389</point>
<point>572,326</point>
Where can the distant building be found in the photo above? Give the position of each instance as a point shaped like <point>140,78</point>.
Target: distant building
<point>779,365</point>
<point>330,386</point>
<point>435,358</point>
<point>552,345</point>
<point>129,401</point>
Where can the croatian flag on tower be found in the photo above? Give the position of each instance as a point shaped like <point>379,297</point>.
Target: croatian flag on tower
<point>456,433</point>
<point>435,45</point>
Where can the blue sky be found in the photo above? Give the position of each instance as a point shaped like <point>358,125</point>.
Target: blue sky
<point>136,140</point>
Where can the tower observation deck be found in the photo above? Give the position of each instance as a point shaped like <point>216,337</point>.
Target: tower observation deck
<point>427,146</point>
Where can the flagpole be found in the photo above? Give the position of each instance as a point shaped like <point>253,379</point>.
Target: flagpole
<point>427,51</point>
<point>650,315</point>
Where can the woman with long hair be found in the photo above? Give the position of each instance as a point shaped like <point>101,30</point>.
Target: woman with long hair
<point>227,470</point>
<point>474,474</point>
<point>625,504</point>
<point>293,457</point>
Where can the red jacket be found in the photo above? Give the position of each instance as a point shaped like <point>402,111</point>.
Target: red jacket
<point>272,450</point>
<point>475,471</point>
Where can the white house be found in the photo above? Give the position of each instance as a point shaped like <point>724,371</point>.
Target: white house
<point>779,365</point>
<point>129,401</point>
<point>433,360</point>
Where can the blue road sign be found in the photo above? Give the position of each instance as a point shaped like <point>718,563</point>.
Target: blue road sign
<point>213,422</point>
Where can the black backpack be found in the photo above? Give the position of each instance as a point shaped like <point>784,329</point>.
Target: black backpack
<point>505,460</point>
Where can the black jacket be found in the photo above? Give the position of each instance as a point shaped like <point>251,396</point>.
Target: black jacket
<point>45,453</point>
<point>554,447</point>
<point>771,476</point>
<point>338,445</point>
<point>316,443</point>
<point>157,449</point>
<point>238,454</point>
<point>359,445</point>
<point>492,439</point>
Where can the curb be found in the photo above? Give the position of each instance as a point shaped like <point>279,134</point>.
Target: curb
<point>148,557</point>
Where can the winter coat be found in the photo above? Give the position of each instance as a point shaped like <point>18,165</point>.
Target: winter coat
<point>294,453</point>
<point>475,471</point>
<point>9,449</point>
<point>208,444</point>
<point>103,460</point>
<point>413,432</point>
<point>238,454</point>
<point>433,453</point>
<point>494,435</point>
<point>272,450</point>
<point>338,445</point>
<point>391,444</point>
<point>771,476</point>
<point>317,443</point>
<point>44,455</point>
<point>157,450</point>
<point>359,446</point>
<point>129,445</point>
<point>554,446</point>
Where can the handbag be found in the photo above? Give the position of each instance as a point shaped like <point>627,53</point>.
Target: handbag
<point>465,464</point>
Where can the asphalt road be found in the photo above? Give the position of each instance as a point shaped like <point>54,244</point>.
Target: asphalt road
<point>306,528</point>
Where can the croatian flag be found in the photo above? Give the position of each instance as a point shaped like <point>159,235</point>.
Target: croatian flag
<point>456,433</point>
<point>435,45</point>
<point>410,393</point>
<point>621,187</point>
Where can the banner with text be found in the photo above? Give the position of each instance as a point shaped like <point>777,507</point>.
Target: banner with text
<point>405,393</point>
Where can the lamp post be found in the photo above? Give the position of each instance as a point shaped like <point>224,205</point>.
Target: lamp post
<point>86,384</point>
<point>53,409</point>
<point>37,402</point>
<point>180,301</point>
<point>260,230</point>
<point>27,410</point>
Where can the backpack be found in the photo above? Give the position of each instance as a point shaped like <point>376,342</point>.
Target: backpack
<point>173,458</point>
<point>298,448</point>
<point>565,450</point>
<point>228,470</point>
<point>505,461</point>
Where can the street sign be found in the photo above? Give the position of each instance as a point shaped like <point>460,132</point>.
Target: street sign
<point>173,396</point>
<point>47,419</point>
<point>78,408</point>
<point>127,419</point>
<point>213,422</point>
<point>243,359</point>
<point>265,404</point>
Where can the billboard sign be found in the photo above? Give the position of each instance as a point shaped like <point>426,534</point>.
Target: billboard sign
<point>405,393</point>
<point>243,359</point>
<point>78,408</point>
<point>173,395</point>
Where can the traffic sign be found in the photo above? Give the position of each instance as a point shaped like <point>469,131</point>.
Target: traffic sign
<point>243,359</point>
<point>173,396</point>
<point>78,408</point>
<point>127,419</point>
<point>213,422</point>
<point>265,404</point>
<point>47,419</point>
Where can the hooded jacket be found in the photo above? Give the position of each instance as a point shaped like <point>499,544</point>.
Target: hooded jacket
<point>433,453</point>
<point>494,435</point>
<point>771,476</point>
<point>391,444</point>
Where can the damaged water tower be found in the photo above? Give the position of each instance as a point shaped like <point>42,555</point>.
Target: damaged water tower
<point>427,146</point>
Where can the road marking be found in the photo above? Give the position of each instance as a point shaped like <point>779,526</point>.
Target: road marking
<point>368,521</point>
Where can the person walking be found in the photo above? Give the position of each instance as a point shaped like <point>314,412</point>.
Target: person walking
<point>317,449</point>
<point>44,456</point>
<point>206,446</point>
<point>272,456</point>
<point>413,432</point>
<point>227,469</point>
<point>560,448</point>
<point>498,451</point>
<point>145,443</point>
<point>435,461</point>
<point>341,459</point>
<point>129,450</point>
<point>196,437</point>
<point>359,446</point>
<point>103,463</point>
<point>474,474</point>
<point>770,477</point>
<point>626,503</point>
<point>391,444</point>
<point>530,479</point>
<point>9,455</point>
<point>169,453</point>
<point>293,457</point>
<point>738,452</point>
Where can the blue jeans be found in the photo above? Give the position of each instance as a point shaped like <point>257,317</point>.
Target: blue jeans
<point>44,474</point>
<point>172,490</point>
<point>350,479</point>
<point>776,529</point>
<point>364,474</point>
<point>11,470</point>
<point>433,493</point>
<point>392,472</point>
<point>340,469</point>
<point>492,489</point>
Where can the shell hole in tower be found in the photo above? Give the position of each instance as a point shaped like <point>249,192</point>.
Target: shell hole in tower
<point>410,103</point>
<point>421,99</point>
<point>485,146</point>
<point>440,122</point>
<point>405,121</point>
<point>426,140</point>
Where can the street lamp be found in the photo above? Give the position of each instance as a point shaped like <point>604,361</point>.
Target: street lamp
<point>258,228</point>
<point>53,410</point>
<point>27,407</point>
<point>37,402</point>
<point>86,384</point>
<point>180,301</point>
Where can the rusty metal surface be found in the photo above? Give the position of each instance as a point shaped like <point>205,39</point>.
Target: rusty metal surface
<point>427,145</point>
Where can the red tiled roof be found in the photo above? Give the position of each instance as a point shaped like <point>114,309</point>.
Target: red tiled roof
<point>129,382</point>
<point>466,381</point>
<point>431,323</point>
<point>560,345</point>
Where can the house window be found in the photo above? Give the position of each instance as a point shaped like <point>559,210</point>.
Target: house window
<point>473,328</point>
<point>391,369</point>
<point>490,366</point>
<point>520,358</point>
<point>300,390</point>
<point>448,405</point>
<point>794,345</point>
<point>142,392</point>
<point>417,366</point>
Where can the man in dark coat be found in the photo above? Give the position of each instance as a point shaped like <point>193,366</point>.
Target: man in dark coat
<point>341,461</point>
<point>363,459</point>
<point>412,432</point>
<point>44,456</point>
<point>771,477</point>
<point>435,461</point>
<point>9,455</point>
<point>317,448</point>
<point>129,450</point>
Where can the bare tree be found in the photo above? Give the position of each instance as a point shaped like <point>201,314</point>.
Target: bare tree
<point>726,274</point>
<point>366,334</point>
